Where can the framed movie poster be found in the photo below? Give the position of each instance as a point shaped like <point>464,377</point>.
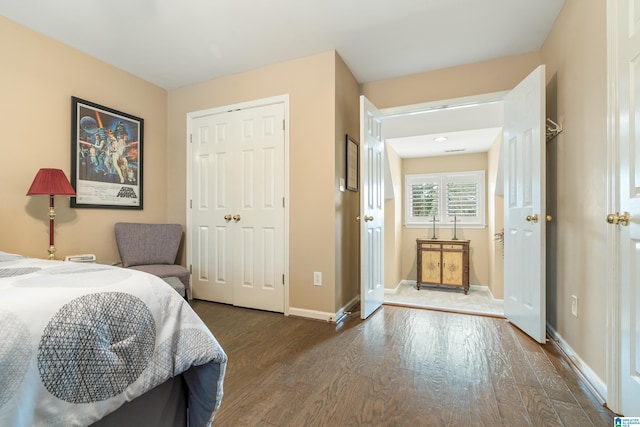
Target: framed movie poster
<point>106,157</point>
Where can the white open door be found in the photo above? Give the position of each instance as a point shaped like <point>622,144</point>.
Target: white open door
<point>523,155</point>
<point>626,118</point>
<point>371,209</point>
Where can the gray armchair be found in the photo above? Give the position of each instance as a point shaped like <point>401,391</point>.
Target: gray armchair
<point>152,248</point>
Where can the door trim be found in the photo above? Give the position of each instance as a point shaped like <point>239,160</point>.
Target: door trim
<point>280,99</point>
<point>442,104</point>
<point>613,339</point>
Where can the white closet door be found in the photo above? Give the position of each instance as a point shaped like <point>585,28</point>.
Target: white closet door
<point>211,233</point>
<point>237,236</point>
<point>257,183</point>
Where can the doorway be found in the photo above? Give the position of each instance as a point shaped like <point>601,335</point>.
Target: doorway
<point>237,213</point>
<point>415,143</point>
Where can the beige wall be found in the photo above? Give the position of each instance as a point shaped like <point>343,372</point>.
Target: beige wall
<point>38,76</point>
<point>479,254</point>
<point>347,204</point>
<point>310,84</point>
<point>393,220</point>
<point>495,208</point>
<point>483,77</point>
<point>576,59</point>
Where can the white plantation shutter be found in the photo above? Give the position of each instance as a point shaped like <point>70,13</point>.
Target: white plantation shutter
<point>425,198</point>
<point>446,197</point>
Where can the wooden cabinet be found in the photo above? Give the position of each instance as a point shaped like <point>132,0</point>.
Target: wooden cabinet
<point>443,262</point>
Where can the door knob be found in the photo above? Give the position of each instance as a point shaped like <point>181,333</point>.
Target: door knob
<point>616,218</point>
<point>548,218</point>
<point>236,217</point>
<point>532,218</point>
<point>227,217</point>
<point>368,218</point>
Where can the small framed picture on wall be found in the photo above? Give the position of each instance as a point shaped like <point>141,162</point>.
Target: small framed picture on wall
<point>353,167</point>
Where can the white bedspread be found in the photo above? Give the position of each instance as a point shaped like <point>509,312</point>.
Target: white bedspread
<point>79,340</point>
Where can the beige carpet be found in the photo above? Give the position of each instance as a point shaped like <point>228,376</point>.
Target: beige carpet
<point>478,301</point>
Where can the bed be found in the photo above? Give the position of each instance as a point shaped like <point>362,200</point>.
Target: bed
<point>89,344</point>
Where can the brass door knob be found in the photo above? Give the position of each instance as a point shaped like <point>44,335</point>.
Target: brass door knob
<point>236,217</point>
<point>227,217</point>
<point>616,218</point>
<point>368,218</point>
<point>532,218</point>
<point>548,218</point>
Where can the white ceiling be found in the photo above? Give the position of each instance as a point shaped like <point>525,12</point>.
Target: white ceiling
<point>468,129</point>
<point>176,43</point>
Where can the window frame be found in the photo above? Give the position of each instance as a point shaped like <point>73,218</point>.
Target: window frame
<point>442,219</point>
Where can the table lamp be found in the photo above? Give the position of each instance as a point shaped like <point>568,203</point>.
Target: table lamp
<point>51,181</point>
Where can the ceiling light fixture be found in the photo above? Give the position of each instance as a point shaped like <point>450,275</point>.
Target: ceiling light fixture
<point>440,139</point>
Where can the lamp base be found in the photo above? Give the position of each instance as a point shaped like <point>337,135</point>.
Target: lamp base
<point>52,216</point>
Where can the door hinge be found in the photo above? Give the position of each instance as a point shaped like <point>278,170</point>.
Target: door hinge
<point>191,137</point>
<point>283,128</point>
<point>190,269</point>
<point>283,202</point>
<point>191,204</point>
<point>283,279</point>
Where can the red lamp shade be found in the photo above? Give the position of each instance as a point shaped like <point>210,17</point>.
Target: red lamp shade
<point>51,181</point>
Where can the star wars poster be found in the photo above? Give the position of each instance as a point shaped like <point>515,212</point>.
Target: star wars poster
<point>106,157</point>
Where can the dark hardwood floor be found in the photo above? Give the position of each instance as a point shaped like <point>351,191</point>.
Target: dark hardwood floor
<point>401,367</point>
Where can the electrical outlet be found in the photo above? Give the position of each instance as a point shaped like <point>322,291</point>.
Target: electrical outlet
<point>574,305</point>
<point>317,278</point>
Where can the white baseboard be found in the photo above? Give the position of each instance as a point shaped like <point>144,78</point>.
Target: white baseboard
<point>393,291</point>
<point>324,315</point>
<point>311,314</point>
<point>598,387</point>
<point>484,288</point>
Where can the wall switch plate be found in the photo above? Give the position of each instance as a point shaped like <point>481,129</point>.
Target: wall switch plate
<point>574,305</point>
<point>317,278</point>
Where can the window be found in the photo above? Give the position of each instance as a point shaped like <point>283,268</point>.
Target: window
<point>445,196</point>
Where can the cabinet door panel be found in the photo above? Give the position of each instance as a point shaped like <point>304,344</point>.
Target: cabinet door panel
<point>452,269</point>
<point>430,267</point>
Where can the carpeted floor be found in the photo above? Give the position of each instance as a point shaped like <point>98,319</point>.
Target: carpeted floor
<point>478,301</point>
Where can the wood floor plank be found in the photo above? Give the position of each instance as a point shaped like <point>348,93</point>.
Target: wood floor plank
<point>539,407</point>
<point>523,373</point>
<point>512,410</point>
<point>571,414</point>
<point>598,414</point>
<point>550,379</point>
<point>401,367</point>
